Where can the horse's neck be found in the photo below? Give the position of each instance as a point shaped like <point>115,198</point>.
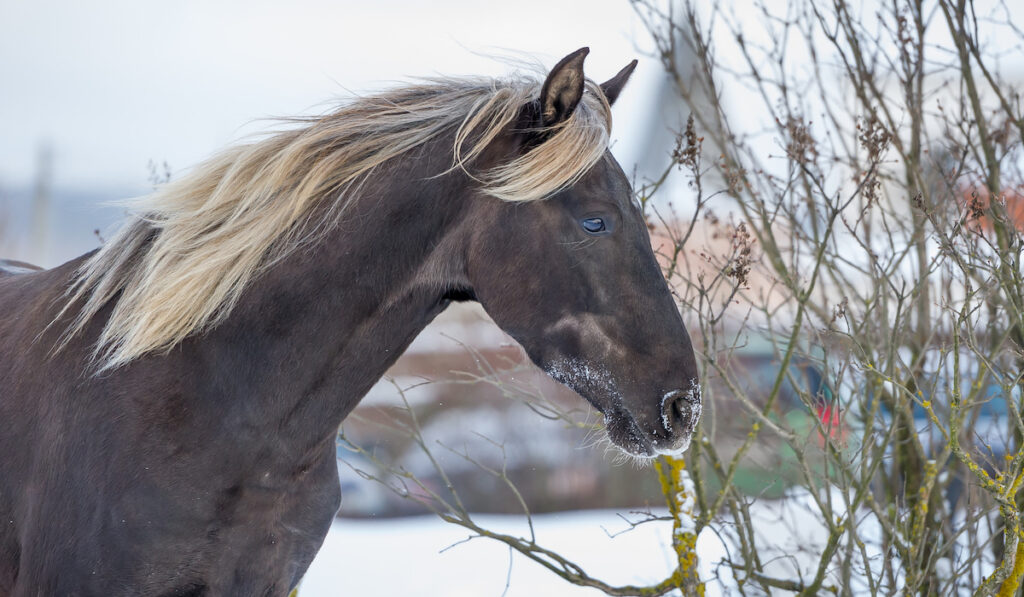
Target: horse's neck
<point>311,336</point>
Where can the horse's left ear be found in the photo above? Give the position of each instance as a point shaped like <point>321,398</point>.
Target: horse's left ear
<point>563,88</point>
<point>613,86</point>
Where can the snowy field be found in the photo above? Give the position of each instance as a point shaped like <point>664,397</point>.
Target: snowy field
<point>407,556</point>
<point>423,556</point>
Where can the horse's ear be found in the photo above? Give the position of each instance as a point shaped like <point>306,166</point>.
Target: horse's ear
<point>563,88</point>
<point>612,87</point>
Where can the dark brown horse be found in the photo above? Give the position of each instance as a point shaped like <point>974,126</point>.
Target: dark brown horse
<point>169,403</point>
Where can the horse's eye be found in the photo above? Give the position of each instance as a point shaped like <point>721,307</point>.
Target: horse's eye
<point>593,225</point>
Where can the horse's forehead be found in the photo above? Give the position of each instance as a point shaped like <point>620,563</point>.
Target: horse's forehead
<point>607,181</point>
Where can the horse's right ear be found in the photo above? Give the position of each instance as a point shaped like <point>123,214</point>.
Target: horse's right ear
<point>613,86</point>
<point>563,89</point>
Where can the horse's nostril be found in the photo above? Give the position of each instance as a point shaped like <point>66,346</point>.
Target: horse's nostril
<point>680,414</point>
<point>680,410</point>
<point>677,412</point>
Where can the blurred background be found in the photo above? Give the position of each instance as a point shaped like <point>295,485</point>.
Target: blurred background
<point>98,98</point>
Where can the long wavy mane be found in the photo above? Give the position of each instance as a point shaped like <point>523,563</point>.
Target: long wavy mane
<point>187,251</point>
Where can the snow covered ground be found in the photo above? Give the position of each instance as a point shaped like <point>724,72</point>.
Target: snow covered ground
<point>423,556</point>
<point>404,557</point>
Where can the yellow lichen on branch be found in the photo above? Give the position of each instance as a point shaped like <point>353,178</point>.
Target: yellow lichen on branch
<point>1012,583</point>
<point>680,495</point>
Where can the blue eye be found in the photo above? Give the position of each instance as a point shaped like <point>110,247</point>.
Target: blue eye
<point>593,225</point>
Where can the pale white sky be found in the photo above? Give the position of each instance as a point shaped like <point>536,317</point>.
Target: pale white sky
<point>113,84</point>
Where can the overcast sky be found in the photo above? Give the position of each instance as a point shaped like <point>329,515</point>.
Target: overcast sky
<point>113,84</point>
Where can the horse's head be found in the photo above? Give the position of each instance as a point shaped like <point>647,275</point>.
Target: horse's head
<point>574,280</point>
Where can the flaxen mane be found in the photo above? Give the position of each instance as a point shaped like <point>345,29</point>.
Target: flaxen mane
<point>187,252</point>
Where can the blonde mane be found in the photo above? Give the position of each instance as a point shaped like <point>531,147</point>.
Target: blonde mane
<point>188,250</point>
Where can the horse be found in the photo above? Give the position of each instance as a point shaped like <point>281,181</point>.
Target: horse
<point>170,401</point>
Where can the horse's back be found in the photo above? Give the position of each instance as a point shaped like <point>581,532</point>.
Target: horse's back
<point>28,296</point>
<point>11,267</point>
